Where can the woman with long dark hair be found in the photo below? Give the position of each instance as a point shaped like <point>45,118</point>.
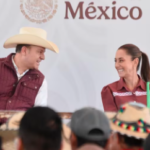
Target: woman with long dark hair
<point>131,86</point>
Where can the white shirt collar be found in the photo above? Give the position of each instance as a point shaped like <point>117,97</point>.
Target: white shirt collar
<point>15,66</point>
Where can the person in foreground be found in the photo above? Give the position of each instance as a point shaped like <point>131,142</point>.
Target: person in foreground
<point>131,126</point>
<point>40,129</point>
<point>90,129</point>
<point>22,84</point>
<point>131,86</point>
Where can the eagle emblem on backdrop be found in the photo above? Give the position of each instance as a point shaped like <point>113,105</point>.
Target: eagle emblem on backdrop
<point>38,11</point>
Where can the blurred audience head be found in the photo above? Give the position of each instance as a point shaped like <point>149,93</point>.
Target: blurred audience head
<point>89,126</point>
<point>131,126</point>
<point>40,129</point>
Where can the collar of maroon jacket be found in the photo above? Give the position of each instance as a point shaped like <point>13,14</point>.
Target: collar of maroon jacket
<point>122,84</point>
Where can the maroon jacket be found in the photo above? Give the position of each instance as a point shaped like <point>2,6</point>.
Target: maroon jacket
<point>117,93</point>
<point>14,94</point>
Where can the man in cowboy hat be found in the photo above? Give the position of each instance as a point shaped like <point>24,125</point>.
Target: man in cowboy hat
<point>22,85</point>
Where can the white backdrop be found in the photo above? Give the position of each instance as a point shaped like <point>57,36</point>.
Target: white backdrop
<point>87,47</point>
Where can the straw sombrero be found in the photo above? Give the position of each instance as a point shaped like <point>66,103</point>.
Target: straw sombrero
<point>133,119</point>
<point>31,36</point>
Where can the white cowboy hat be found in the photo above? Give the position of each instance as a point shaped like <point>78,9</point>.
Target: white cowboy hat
<point>31,36</point>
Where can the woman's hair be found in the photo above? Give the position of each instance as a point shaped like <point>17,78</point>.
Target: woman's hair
<point>135,52</point>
